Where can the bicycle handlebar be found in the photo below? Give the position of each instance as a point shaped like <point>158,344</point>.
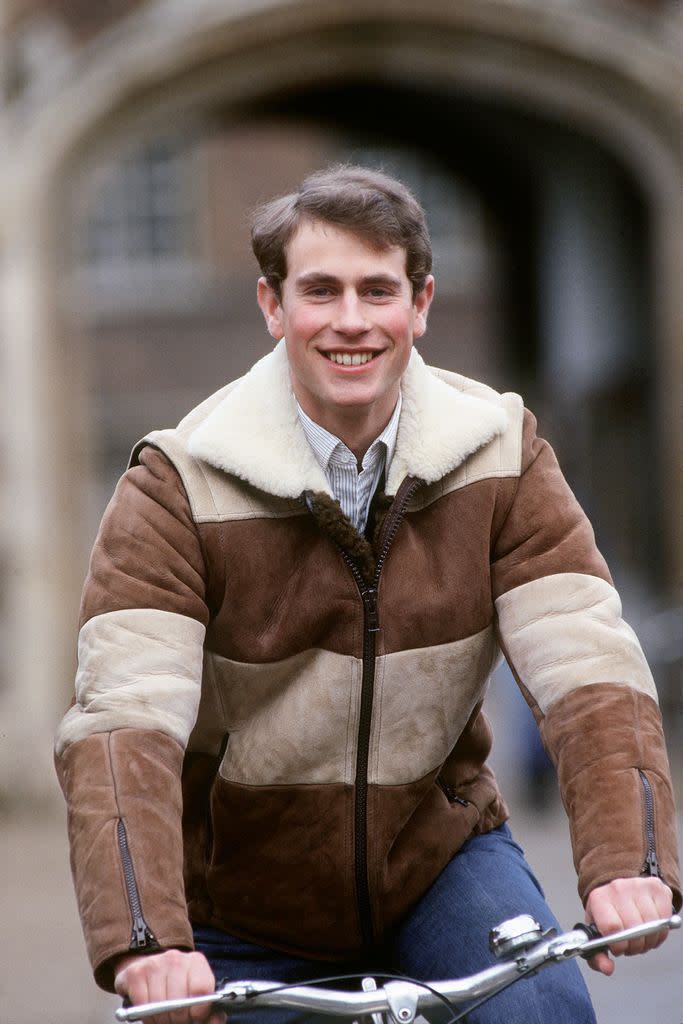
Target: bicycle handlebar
<point>402,999</point>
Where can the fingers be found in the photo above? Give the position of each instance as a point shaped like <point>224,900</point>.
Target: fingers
<point>200,979</point>
<point>626,903</point>
<point>601,962</point>
<point>168,975</point>
<point>131,981</point>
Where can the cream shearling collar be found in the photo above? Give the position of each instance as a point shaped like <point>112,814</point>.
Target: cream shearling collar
<point>253,431</point>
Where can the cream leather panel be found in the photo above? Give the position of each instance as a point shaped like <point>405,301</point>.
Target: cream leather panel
<point>565,631</point>
<point>137,669</point>
<point>296,721</point>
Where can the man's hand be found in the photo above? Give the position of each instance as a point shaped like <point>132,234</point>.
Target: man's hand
<point>168,975</point>
<point>624,903</point>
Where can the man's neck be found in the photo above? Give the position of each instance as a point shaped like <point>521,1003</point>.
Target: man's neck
<point>356,427</point>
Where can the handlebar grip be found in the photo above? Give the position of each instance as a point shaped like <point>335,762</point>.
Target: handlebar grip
<point>591,930</point>
<point>600,942</point>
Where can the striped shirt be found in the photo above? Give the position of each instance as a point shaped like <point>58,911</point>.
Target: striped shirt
<point>352,486</point>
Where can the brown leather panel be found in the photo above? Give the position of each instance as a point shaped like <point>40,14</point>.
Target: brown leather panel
<point>435,585</point>
<point>441,552</point>
<point>212,541</point>
<point>131,775</point>
<point>293,887</point>
<point>599,736</point>
<point>415,831</point>
<point>545,530</point>
<point>306,596</point>
<point>464,765</point>
<point>199,773</point>
<point>147,553</point>
<point>281,867</point>
<point>468,774</point>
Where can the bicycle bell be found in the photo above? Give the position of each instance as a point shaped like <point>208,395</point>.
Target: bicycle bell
<point>518,933</point>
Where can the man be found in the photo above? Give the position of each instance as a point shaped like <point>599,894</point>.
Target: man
<point>313,675</point>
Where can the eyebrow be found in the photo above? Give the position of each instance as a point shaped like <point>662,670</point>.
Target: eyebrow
<point>319,277</point>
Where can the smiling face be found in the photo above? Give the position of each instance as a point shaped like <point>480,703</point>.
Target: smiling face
<point>349,318</point>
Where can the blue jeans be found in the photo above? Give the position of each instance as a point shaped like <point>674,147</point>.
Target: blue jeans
<point>444,936</point>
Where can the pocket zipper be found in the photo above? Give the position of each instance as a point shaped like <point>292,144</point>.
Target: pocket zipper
<point>450,793</point>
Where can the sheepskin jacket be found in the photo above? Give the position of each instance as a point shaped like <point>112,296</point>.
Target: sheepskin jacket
<point>278,724</point>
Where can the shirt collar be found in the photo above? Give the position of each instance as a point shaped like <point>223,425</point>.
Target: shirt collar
<point>326,445</point>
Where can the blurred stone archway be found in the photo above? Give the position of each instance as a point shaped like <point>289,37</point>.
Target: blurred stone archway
<point>603,73</point>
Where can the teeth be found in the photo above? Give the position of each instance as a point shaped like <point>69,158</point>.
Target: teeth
<point>347,359</point>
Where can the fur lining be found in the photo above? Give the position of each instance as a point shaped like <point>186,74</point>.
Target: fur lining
<point>328,514</point>
<point>255,433</point>
<point>252,429</point>
<point>444,418</point>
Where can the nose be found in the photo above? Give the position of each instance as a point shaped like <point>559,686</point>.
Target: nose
<point>350,316</point>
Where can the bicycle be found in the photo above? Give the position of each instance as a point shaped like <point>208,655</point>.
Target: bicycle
<point>519,943</point>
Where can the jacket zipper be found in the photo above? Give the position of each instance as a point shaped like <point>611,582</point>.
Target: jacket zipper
<point>368,593</point>
<point>450,794</point>
<point>651,866</point>
<point>142,936</point>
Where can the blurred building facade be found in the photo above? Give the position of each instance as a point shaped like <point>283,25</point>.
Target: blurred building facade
<point>544,137</point>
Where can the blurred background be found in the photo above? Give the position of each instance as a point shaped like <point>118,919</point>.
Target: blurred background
<point>544,140</point>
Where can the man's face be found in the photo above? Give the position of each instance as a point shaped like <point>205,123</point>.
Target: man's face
<point>348,316</point>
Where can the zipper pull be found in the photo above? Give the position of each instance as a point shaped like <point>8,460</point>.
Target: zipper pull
<point>141,936</point>
<point>450,793</point>
<point>371,610</point>
<point>651,866</point>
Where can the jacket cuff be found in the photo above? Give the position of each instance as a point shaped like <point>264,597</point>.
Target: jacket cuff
<point>607,742</point>
<point>105,970</point>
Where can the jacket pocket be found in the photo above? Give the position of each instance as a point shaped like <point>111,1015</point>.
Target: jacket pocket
<point>451,795</point>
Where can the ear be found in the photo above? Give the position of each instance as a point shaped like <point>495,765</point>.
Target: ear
<point>271,308</point>
<point>421,304</point>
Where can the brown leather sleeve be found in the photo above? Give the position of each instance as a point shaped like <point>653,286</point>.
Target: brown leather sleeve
<point>123,786</point>
<point>603,739</point>
<point>128,778</point>
<point>603,732</point>
<point>148,552</point>
<point>540,528</point>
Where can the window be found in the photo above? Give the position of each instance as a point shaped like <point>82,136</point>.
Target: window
<point>144,211</point>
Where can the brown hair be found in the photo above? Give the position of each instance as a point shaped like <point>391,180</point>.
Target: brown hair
<point>379,209</point>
